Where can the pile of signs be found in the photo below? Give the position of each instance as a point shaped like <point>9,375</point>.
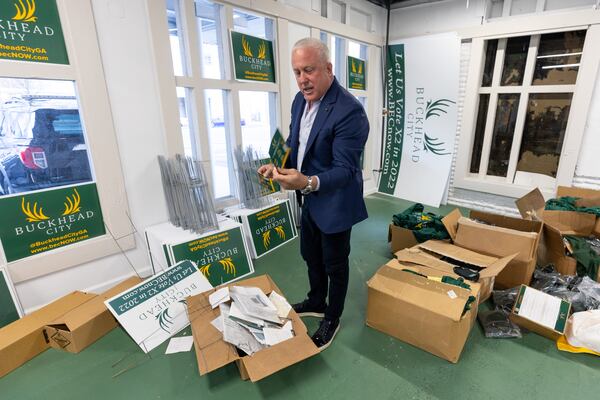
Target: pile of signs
<point>229,325</point>
<point>250,320</point>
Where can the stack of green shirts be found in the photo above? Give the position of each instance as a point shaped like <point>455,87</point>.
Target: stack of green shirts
<point>424,225</point>
<point>587,258</point>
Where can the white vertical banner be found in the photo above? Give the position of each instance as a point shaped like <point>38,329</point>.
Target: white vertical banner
<point>426,71</point>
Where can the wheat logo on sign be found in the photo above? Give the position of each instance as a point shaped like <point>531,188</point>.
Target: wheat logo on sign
<point>25,11</point>
<point>262,49</point>
<point>436,109</point>
<point>33,215</point>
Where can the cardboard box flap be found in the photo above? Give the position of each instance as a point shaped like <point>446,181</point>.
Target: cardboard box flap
<point>485,238</point>
<point>450,222</point>
<point>275,358</point>
<point>43,316</point>
<point>504,221</point>
<point>211,351</point>
<point>440,298</point>
<point>458,253</point>
<point>570,222</point>
<point>594,202</point>
<point>80,315</point>
<point>419,257</point>
<point>94,306</point>
<point>495,268</point>
<point>577,192</point>
<point>531,204</point>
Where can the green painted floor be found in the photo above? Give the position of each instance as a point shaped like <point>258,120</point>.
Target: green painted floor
<point>361,363</point>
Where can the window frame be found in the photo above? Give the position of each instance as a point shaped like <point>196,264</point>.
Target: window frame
<point>196,84</point>
<point>281,14</point>
<point>582,94</point>
<point>77,21</point>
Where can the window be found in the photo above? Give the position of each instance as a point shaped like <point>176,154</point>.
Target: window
<point>58,151</point>
<point>524,103</point>
<point>42,142</point>
<point>217,114</point>
<point>208,20</point>
<point>258,120</point>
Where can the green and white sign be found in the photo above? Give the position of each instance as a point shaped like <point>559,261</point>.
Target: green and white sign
<point>38,222</point>
<point>357,74</point>
<point>10,309</point>
<point>154,310</point>
<point>270,227</point>
<point>421,90</point>
<point>30,30</point>
<point>253,58</point>
<point>221,257</point>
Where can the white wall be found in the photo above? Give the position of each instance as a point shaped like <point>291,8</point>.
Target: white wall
<point>453,15</point>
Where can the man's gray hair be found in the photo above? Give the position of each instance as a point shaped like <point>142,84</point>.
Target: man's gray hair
<point>314,44</point>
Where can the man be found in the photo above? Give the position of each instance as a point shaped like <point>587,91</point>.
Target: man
<point>327,137</point>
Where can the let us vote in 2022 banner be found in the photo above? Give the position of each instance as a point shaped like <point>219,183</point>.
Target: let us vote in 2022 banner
<point>422,77</point>
<point>30,30</point>
<point>34,223</point>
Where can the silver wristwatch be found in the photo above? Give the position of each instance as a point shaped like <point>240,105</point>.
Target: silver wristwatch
<point>308,188</point>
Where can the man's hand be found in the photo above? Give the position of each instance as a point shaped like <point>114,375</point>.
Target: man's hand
<point>290,178</point>
<point>266,170</point>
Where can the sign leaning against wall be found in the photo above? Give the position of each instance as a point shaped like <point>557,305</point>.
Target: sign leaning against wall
<point>30,30</point>
<point>422,92</point>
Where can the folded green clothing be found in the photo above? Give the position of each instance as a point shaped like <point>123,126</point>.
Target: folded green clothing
<point>425,225</point>
<point>587,259</point>
<point>567,203</point>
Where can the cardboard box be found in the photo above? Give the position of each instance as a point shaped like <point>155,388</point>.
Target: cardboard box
<point>425,313</point>
<point>540,312</point>
<point>24,339</point>
<point>430,253</point>
<point>212,352</point>
<point>400,238</point>
<point>502,237</point>
<point>553,248</point>
<point>86,323</point>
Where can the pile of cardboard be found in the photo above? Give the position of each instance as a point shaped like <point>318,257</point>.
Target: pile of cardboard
<point>250,320</point>
<point>419,310</point>
<point>504,252</point>
<point>553,248</point>
<point>70,323</point>
<point>213,351</point>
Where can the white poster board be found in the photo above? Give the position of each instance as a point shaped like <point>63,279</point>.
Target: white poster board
<point>154,310</point>
<point>422,90</point>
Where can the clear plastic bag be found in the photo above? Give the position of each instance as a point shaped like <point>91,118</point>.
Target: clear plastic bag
<point>505,299</point>
<point>496,324</point>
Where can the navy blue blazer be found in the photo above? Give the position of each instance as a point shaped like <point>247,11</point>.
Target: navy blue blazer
<point>337,140</point>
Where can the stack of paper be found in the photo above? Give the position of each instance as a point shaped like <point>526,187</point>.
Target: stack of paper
<point>251,320</point>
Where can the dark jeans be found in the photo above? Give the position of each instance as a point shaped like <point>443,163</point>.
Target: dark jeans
<point>326,256</point>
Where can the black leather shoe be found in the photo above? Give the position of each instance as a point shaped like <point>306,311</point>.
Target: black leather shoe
<point>326,332</point>
<point>303,309</point>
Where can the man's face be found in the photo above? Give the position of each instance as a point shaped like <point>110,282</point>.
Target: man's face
<point>313,75</point>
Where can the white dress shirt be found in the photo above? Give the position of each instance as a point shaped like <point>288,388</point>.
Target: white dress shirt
<point>306,123</point>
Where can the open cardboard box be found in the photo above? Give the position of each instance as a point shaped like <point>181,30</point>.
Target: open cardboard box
<point>430,254</point>
<point>553,248</point>
<point>425,313</point>
<point>83,325</point>
<point>540,312</point>
<point>23,339</point>
<point>502,237</point>
<point>400,238</point>
<point>212,352</point>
